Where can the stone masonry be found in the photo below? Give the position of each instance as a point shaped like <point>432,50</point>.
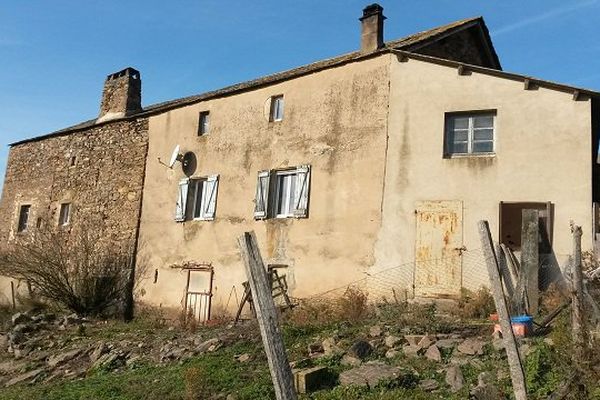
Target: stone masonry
<point>99,170</point>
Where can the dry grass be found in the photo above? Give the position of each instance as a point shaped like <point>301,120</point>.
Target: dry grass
<point>351,306</point>
<point>478,304</point>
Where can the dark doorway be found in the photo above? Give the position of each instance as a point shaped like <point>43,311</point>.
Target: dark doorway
<point>511,219</point>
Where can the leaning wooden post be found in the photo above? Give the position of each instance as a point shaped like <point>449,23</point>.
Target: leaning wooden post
<point>578,322</point>
<point>510,343</point>
<point>530,259</point>
<point>268,321</point>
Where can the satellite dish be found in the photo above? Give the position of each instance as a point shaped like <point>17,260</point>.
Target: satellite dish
<point>189,163</point>
<point>176,156</point>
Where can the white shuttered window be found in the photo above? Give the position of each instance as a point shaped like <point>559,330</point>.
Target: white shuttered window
<point>283,193</point>
<point>197,199</point>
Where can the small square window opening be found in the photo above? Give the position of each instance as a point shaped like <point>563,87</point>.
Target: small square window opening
<point>204,123</point>
<point>64,217</point>
<point>72,161</point>
<point>468,134</point>
<point>23,218</point>
<point>276,108</point>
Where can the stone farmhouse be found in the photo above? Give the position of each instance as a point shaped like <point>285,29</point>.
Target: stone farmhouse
<point>382,158</point>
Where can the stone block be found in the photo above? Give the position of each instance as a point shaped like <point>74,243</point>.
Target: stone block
<point>309,380</point>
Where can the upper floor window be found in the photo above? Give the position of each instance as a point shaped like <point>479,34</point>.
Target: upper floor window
<point>197,199</point>
<point>204,123</point>
<point>276,108</point>
<point>282,193</point>
<point>470,133</point>
<point>24,212</point>
<point>64,218</point>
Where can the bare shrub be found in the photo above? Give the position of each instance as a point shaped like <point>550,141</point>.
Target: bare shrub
<point>73,269</point>
<point>351,306</point>
<point>478,304</point>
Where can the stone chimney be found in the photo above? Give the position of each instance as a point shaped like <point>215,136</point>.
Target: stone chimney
<point>371,36</point>
<point>122,95</point>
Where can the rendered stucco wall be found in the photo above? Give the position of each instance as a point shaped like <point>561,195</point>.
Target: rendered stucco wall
<point>543,144</point>
<point>334,120</point>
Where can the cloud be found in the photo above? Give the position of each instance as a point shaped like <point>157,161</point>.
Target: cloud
<point>543,17</point>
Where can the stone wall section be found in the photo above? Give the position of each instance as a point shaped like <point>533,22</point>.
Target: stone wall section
<point>99,170</point>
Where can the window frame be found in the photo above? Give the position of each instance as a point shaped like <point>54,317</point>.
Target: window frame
<point>290,195</point>
<point>449,117</point>
<point>199,199</point>
<point>277,108</point>
<point>203,123</point>
<point>267,201</point>
<point>64,206</point>
<point>23,224</point>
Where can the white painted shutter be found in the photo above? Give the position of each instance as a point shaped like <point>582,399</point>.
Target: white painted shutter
<point>301,192</point>
<point>261,202</point>
<point>210,199</point>
<point>180,209</point>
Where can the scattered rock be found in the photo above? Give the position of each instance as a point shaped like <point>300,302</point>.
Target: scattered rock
<point>391,341</point>
<point>454,378</point>
<point>330,348</point>
<point>243,357</point>
<point>350,361</point>
<point>369,374</point>
<point>100,350</point>
<point>375,331</point>
<point>62,358</point>
<point>410,350</point>
<point>471,347</point>
<point>413,340</point>
<point>209,346</point>
<point>433,353</point>
<point>429,385</point>
<point>426,341</point>
<point>309,380</point>
<point>391,353</point>
<point>447,343</point>
<point>485,390</point>
<point>360,349</point>
<point>28,376</point>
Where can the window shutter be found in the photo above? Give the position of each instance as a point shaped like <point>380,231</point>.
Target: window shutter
<point>302,188</point>
<point>261,203</point>
<point>210,205</point>
<point>180,209</point>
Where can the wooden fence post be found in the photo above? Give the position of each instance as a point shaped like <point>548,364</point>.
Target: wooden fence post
<point>510,343</point>
<point>577,314</point>
<point>530,259</point>
<point>267,316</point>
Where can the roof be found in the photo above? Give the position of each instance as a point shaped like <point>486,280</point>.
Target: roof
<point>407,45</point>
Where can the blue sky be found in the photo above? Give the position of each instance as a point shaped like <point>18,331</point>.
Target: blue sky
<point>54,55</point>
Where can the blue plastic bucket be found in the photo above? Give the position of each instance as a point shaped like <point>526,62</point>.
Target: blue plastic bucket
<point>525,320</point>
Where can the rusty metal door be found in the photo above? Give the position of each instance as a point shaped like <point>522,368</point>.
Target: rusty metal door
<point>438,249</point>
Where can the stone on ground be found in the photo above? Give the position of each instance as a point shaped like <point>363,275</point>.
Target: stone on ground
<point>433,353</point>
<point>429,385</point>
<point>375,331</point>
<point>360,349</point>
<point>309,380</point>
<point>471,347</point>
<point>369,374</point>
<point>454,378</point>
<point>391,341</point>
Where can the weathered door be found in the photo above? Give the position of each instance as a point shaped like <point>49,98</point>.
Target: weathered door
<point>199,294</point>
<point>438,249</point>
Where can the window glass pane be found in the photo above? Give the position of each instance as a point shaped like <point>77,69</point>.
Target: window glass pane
<point>460,136</point>
<point>204,122</point>
<point>483,147</point>
<point>277,108</point>
<point>197,193</point>
<point>483,121</point>
<point>460,147</point>
<point>460,123</point>
<point>483,134</point>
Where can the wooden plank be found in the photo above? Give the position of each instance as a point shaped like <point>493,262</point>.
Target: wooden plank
<point>510,343</point>
<point>268,321</point>
<point>530,259</point>
<point>505,272</point>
